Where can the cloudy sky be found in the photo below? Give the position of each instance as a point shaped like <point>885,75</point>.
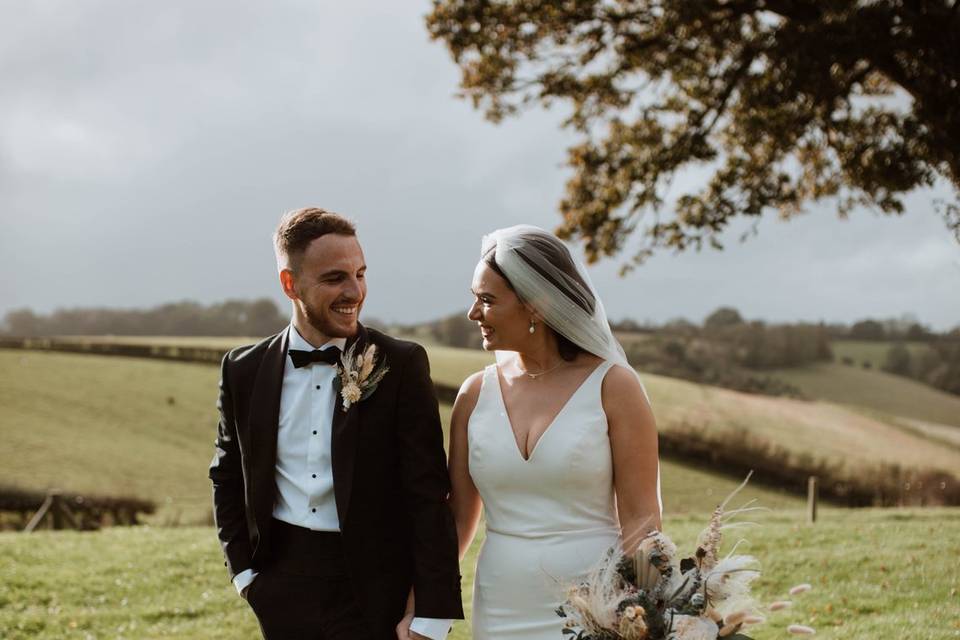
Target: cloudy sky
<point>148,149</point>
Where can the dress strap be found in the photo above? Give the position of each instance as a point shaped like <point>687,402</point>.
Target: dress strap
<point>486,384</point>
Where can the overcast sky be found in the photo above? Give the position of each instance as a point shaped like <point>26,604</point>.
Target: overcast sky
<point>147,150</point>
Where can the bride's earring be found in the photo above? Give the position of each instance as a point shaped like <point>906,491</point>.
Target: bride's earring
<point>533,326</point>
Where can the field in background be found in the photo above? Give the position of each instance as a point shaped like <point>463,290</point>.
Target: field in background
<point>873,352</point>
<point>875,390</point>
<point>110,426</point>
<point>824,430</point>
<point>875,573</point>
<point>146,428</point>
<point>842,384</point>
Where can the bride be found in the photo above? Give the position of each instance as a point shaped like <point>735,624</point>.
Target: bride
<point>555,442</point>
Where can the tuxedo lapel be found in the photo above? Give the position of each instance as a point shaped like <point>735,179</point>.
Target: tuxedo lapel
<point>343,447</point>
<point>264,422</point>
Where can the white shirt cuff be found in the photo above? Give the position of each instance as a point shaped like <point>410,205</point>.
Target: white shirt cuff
<point>243,579</point>
<point>433,628</point>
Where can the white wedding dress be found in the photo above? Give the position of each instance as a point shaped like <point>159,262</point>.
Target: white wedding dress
<point>549,519</point>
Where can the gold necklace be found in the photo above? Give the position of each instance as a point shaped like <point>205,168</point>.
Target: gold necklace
<point>534,376</point>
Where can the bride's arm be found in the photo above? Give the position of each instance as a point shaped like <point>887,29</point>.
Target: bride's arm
<point>464,498</point>
<point>633,440</point>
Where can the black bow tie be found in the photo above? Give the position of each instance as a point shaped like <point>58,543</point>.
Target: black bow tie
<point>330,356</point>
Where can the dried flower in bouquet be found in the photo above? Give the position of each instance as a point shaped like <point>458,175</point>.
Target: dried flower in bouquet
<point>652,595</point>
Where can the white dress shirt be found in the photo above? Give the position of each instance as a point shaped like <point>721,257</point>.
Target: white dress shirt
<point>304,471</point>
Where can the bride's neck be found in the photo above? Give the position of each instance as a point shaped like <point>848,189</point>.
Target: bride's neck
<point>540,354</point>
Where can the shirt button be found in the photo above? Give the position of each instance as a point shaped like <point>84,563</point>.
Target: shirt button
<point>314,510</point>
<point>314,433</point>
<point>314,475</point>
<point>318,386</point>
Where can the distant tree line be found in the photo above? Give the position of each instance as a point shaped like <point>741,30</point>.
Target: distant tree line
<point>906,328</point>
<point>454,330</point>
<point>259,317</point>
<point>725,351</point>
<point>728,351</point>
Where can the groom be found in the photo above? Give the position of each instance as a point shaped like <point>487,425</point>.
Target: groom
<point>330,499</point>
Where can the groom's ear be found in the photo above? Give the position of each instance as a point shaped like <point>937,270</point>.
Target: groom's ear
<point>287,283</point>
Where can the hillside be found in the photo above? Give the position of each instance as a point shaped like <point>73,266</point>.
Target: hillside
<point>873,352</point>
<point>114,429</point>
<point>877,391</point>
<point>826,430</point>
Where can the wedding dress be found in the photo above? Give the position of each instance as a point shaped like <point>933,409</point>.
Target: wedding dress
<point>549,518</point>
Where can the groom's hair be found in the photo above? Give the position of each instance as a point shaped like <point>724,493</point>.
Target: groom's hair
<point>300,227</point>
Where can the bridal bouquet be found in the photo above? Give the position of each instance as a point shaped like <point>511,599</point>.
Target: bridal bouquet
<point>652,594</point>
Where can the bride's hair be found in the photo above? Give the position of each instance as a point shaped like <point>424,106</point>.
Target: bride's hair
<point>547,249</point>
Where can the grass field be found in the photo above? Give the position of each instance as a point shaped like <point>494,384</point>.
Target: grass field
<point>875,390</point>
<point>102,424</point>
<point>871,351</point>
<point>876,574</point>
<point>822,429</point>
<point>111,429</point>
<point>109,425</point>
<point>868,388</point>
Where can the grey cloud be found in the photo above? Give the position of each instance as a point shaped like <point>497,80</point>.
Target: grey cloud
<point>147,150</point>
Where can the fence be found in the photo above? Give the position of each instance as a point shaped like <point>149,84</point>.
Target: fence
<point>58,510</point>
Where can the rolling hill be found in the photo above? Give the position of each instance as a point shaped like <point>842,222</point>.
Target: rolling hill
<point>144,427</point>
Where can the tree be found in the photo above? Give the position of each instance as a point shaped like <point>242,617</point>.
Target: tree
<point>21,322</point>
<point>898,360</point>
<point>867,330</point>
<point>785,101</point>
<point>722,317</point>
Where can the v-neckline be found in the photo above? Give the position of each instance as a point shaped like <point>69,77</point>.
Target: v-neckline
<point>506,412</point>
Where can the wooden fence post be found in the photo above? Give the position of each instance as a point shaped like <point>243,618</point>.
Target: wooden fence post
<point>812,495</point>
<point>39,515</point>
<point>56,510</point>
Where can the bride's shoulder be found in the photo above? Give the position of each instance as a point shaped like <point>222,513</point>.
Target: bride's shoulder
<point>466,401</point>
<point>470,389</point>
<point>620,380</point>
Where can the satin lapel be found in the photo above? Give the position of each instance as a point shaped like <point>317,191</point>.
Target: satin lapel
<point>343,447</point>
<point>264,422</point>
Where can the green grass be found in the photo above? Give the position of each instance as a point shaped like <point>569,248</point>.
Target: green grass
<point>875,390</point>
<point>106,425</point>
<point>103,424</point>
<point>874,352</point>
<point>828,430</point>
<point>876,574</point>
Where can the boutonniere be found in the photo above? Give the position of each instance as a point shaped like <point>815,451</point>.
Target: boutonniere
<point>359,374</point>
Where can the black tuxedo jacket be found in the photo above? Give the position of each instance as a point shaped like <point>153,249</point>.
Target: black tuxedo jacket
<point>389,473</point>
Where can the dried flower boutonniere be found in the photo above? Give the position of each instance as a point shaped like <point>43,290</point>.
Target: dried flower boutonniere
<point>359,374</point>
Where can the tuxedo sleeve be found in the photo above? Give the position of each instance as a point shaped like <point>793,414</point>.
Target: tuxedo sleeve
<point>226,472</point>
<point>426,487</point>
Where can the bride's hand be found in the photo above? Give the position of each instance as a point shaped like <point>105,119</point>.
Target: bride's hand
<point>403,627</point>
